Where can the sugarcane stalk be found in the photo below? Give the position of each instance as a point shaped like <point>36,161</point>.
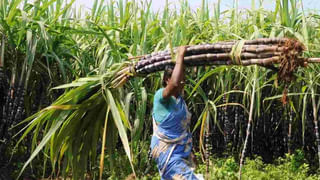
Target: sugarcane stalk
<point>259,41</point>
<point>227,123</point>
<point>227,56</point>
<point>219,45</point>
<point>20,108</point>
<point>236,127</point>
<point>290,130</point>
<point>267,41</point>
<point>313,60</point>
<point>3,92</point>
<point>18,100</point>
<point>11,94</point>
<point>2,52</point>
<point>160,66</point>
<point>315,121</point>
<point>3,85</point>
<point>263,62</point>
<point>208,149</point>
<point>7,107</point>
<point>208,59</point>
<point>249,121</point>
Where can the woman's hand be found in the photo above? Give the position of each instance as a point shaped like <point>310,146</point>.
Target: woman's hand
<point>181,52</point>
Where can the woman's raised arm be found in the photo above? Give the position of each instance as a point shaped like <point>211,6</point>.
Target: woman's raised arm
<point>176,82</point>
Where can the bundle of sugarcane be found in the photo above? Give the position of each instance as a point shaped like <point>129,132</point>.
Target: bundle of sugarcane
<point>264,52</point>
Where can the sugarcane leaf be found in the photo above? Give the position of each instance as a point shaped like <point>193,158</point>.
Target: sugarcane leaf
<point>229,92</point>
<point>82,144</point>
<point>289,94</point>
<point>61,64</point>
<point>45,6</point>
<point>12,11</point>
<point>204,77</point>
<point>202,129</point>
<point>123,116</point>
<point>76,94</point>
<point>103,144</point>
<point>97,131</point>
<point>29,126</point>
<point>65,131</point>
<point>118,121</point>
<point>141,112</point>
<point>62,107</point>
<point>30,118</point>
<point>45,139</point>
<point>90,78</point>
<point>234,104</point>
<point>199,91</point>
<point>73,84</point>
<point>199,121</point>
<point>112,45</point>
<point>45,159</point>
<point>63,150</point>
<point>64,10</point>
<point>213,112</point>
<point>128,99</point>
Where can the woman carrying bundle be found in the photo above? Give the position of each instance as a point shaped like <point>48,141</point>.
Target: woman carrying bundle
<point>171,142</point>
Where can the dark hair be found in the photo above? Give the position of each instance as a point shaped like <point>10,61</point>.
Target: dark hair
<point>166,75</point>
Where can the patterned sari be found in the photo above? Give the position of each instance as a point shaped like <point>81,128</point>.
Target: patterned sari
<point>171,144</point>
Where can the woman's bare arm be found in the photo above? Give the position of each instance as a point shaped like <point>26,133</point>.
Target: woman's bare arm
<point>174,85</point>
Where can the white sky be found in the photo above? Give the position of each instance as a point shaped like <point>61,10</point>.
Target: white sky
<point>269,4</point>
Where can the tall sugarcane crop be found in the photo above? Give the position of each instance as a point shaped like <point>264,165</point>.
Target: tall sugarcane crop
<point>58,45</point>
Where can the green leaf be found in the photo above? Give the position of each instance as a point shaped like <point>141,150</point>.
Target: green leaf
<point>45,139</point>
<point>117,120</point>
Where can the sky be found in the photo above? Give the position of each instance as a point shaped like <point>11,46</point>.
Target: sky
<point>225,4</point>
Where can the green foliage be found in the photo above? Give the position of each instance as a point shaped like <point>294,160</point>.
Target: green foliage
<point>290,167</point>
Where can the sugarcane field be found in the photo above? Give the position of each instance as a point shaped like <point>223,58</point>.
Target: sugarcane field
<point>162,89</point>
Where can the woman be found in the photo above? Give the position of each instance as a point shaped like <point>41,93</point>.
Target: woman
<point>171,142</point>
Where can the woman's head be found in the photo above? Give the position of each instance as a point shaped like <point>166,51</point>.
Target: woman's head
<point>167,75</point>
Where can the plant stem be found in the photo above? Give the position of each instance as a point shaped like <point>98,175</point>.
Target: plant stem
<point>249,121</point>
<point>315,120</point>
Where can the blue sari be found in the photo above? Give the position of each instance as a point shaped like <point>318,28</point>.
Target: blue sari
<point>171,144</point>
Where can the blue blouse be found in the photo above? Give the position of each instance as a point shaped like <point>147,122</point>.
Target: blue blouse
<point>162,107</point>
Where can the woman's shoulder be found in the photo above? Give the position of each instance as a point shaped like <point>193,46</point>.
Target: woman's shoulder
<point>158,93</point>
